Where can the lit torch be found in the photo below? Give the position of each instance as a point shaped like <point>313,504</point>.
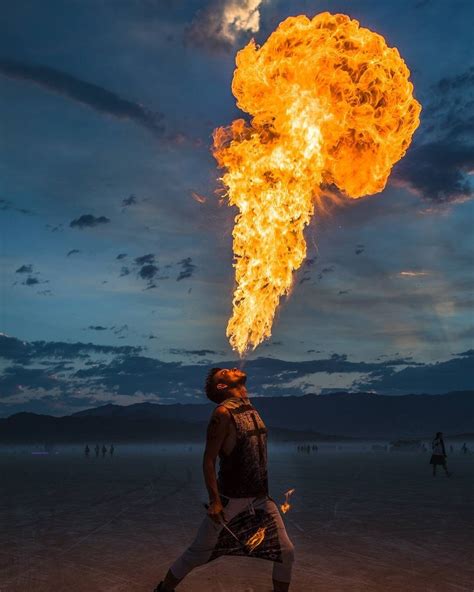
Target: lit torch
<point>330,103</point>
<point>285,506</point>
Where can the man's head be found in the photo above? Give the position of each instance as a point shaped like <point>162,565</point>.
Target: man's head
<point>222,380</point>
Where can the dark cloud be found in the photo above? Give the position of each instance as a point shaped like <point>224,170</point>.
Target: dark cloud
<point>438,171</point>
<point>148,272</point>
<point>6,204</point>
<point>187,269</point>
<point>25,269</point>
<point>72,252</point>
<point>194,352</point>
<point>97,328</point>
<point>31,281</point>
<point>121,256</point>
<point>129,201</point>
<point>124,271</point>
<point>359,249</point>
<point>15,379</point>
<point>25,352</point>
<point>88,221</point>
<point>324,271</point>
<point>441,377</point>
<point>437,166</point>
<point>150,258</point>
<point>96,97</point>
<point>83,367</point>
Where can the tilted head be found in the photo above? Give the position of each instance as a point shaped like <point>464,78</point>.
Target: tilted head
<point>222,380</point>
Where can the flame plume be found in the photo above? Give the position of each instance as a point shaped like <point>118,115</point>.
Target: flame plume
<point>329,103</point>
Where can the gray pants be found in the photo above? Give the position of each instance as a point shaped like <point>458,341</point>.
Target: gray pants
<point>203,547</point>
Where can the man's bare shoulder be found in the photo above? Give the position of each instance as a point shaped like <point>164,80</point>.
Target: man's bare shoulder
<point>220,414</point>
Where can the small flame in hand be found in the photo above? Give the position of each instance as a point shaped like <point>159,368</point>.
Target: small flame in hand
<point>285,506</point>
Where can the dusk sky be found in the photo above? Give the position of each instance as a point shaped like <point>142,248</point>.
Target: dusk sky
<point>116,254</point>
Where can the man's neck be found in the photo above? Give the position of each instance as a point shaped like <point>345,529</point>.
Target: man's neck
<point>239,392</point>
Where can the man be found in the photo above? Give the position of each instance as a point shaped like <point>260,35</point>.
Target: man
<point>240,511</point>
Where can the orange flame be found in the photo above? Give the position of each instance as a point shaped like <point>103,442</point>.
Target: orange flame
<point>256,539</point>
<point>285,506</point>
<point>329,103</point>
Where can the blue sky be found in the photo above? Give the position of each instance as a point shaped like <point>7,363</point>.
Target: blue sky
<point>107,110</point>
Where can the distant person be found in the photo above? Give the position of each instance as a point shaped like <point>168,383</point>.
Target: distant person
<point>239,504</point>
<point>464,448</point>
<point>97,450</point>
<point>104,450</point>
<point>315,447</point>
<point>87,451</point>
<point>112,450</point>
<point>439,455</point>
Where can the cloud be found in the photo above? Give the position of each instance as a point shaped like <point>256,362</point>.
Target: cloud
<point>129,201</point>
<point>25,352</point>
<point>441,377</point>
<point>187,270</point>
<point>72,252</point>
<point>438,165</point>
<point>25,269</point>
<point>97,328</point>
<point>6,204</point>
<point>438,171</point>
<point>121,256</point>
<point>16,378</point>
<point>194,352</point>
<point>150,258</point>
<point>67,372</point>
<point>88,221</point>
<point>85,93</point>
<point>221,23</point>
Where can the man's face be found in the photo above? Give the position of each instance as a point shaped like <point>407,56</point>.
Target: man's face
<point>229,377</point>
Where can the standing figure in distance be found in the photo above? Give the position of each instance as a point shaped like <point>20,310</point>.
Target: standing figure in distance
<point>439,454</point>
<point>87,451</point>
<point>104,450</point>
<point>239,507</point>
<point>97,450</point>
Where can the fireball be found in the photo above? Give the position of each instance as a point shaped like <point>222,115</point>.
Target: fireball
<point>329,103</point>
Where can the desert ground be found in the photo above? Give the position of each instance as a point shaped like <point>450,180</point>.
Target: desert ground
<point>361,521</point>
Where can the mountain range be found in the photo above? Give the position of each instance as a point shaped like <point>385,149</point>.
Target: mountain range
<point>317,417</point>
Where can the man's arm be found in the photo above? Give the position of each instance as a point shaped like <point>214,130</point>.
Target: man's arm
<point>217,431</point>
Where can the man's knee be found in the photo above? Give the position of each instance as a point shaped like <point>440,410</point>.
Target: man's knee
<point>288,552</point>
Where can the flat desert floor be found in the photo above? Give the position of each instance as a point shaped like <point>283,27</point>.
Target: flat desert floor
<point>361,522</point>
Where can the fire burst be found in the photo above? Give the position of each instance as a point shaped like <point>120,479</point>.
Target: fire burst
<point>329,103</point>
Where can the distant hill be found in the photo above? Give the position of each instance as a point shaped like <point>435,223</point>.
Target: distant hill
<point>346,415</point>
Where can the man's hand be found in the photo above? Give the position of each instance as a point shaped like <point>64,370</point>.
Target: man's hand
<point>216,512</point>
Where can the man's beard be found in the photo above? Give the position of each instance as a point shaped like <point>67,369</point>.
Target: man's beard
<point>241,381</point>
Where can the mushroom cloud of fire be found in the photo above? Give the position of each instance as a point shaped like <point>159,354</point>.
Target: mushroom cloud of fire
<point>330,103</point>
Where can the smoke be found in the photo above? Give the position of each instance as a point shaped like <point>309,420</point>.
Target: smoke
<point>221,23</point>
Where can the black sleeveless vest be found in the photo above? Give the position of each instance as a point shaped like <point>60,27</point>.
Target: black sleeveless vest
<point>243,473</point>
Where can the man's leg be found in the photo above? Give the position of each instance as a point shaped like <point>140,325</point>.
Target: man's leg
<point>281,571</point>
<point>198,553</point>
